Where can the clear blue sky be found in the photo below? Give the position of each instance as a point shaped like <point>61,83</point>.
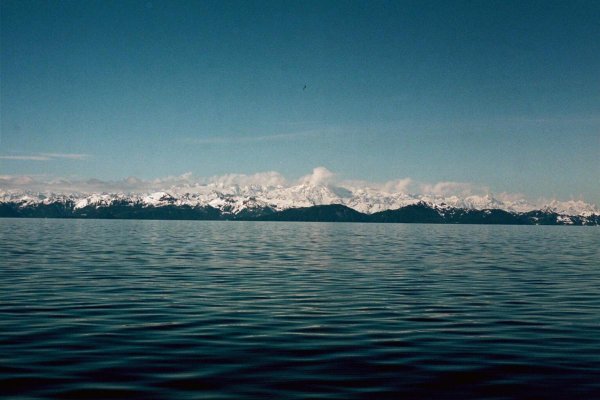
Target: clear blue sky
<point>504,94</point>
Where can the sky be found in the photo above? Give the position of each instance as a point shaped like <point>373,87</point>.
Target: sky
<point>501,94</point>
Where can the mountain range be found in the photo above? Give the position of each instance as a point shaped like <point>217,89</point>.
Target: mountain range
<point>302,202</point>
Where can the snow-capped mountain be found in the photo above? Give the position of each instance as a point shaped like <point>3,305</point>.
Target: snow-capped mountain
<point>236,199</point>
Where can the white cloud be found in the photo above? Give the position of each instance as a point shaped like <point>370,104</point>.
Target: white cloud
<point>397,186</point>
<point>16,180</point>
<point>451,189</point>
<point>186,182</point>
<point>250,139</point>
<point>510,197</point>
<point>319,176</point>
<point>404,185</point>
<point>189,183</point>
<point>45,156</point>
<point>26,158</point>
<point>268,179</point>
<point>69,156</point>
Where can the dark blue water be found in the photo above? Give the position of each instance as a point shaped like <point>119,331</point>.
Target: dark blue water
<point>184,309</point>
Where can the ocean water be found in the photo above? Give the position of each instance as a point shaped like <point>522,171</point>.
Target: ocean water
<point>236,310</point>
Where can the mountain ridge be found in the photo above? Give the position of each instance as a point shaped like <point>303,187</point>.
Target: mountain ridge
<point>298,203</point>
<point>236,198</point>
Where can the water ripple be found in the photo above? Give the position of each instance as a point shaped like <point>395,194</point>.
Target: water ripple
<point>188,309</point>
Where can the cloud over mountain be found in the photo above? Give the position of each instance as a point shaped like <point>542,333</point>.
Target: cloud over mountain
<point>451,189</point>
<point>319,176</point>
<point>271,188</point>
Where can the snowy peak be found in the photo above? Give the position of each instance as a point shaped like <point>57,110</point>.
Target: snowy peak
<point>572,207</point>
<point>235,199</point>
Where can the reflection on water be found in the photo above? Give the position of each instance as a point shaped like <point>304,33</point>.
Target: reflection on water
<point>184,309</point>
